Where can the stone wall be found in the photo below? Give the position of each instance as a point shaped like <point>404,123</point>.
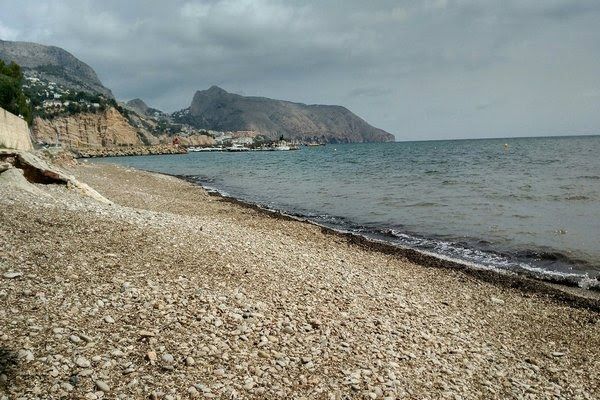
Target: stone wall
<point>14,133</point>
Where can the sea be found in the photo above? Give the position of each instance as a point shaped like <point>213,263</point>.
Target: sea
<point>520,205</point>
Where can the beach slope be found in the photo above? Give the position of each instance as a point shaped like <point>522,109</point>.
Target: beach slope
<point>168,292</point>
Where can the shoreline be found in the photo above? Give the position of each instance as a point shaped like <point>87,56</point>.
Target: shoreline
<point>560,290</point>
<point>170,292</point>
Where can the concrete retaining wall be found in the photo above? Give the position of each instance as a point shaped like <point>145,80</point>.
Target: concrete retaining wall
<point>14,133</point>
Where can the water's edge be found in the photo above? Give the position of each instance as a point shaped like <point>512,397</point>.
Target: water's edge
<point>559,289</point>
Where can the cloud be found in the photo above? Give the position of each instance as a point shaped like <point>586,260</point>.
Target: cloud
<point>417,69</point>
<point>7,33</point>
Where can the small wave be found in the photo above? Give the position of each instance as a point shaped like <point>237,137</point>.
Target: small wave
<point>577,197</point>
<point>423,204</point>
<point>520,216</point>
<point>593,177</point>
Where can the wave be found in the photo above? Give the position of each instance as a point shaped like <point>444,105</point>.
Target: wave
<point>542,264</point>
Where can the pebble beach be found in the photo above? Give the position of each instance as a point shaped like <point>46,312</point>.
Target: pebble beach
<point>170,293</point>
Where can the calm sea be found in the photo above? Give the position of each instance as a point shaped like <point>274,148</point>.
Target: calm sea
<point>532,207</point>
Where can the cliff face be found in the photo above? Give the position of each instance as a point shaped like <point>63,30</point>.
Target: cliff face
<point>106,129</point>
<point>219,110</point>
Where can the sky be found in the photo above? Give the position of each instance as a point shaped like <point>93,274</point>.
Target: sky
<point>420,69</point>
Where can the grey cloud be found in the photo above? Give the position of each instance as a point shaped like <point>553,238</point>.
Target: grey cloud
<point>417,69</point>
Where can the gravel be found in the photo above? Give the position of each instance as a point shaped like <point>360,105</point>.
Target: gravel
<point>209,299</point>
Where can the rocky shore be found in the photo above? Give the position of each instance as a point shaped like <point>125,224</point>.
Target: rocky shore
<point>128,151</point>
<point>166,292</point>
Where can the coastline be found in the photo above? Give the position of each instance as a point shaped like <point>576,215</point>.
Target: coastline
<point>248,303</point>
<point>560,289</point>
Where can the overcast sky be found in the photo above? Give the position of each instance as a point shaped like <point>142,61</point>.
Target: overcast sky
<point>420,69</point>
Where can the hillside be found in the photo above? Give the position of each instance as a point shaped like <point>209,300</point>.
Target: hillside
<point>216,109</point>
<point>53,64</point>
<point>141,108</point>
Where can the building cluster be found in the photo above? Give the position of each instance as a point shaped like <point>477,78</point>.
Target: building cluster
<point>51,97</point>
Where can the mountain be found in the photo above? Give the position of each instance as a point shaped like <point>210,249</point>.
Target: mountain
<point>217,109</point>
<point>140,107</point>
<point>53,64</point>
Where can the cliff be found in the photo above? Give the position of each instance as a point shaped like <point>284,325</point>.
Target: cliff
<point>103,129</point>
<point>216,109</point>
<point>14,133</point>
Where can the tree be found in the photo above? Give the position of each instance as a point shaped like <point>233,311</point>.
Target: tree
<point>12,98</point>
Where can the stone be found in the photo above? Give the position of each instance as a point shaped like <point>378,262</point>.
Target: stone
<point>189,361</point>
<point>168,358</point>
<point>75,339</point>
<point>27,355</point>
<point>82,362</point>
<point>193,392</point>
<point>146,334</point>
<point>498,301</point>
<point>151,356</point>
<point>87,338</point>
<point>109,320</point>
<point>101,385</point>
<point>12,275</point>
<point>67,386</point>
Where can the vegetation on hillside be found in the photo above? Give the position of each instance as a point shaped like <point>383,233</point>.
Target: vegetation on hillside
<point>12,98</point>
<point>50,99</point>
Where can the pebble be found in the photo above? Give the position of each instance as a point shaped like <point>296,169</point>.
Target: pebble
<point>193,392</point>
<point>109,320</point>
<point>82,362</point>
<point>85,337</point>
<point>151,356</point>
<point>67,386</point>
<point>26,354</point>
<point>168,358</point>
<point>189,361</point>
<point>75,339</point>
<point>558,354</point>
<point>101,385</point>
<point>12,275</point>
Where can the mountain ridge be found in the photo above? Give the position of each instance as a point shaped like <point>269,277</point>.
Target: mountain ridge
<point>217,109</point>
<point>54,64</point>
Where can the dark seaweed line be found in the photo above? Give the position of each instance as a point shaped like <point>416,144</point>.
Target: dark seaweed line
<point>548,288</point>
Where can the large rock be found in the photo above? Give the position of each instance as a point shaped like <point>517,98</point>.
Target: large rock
<point>14,133</point>
<point>27,169</point>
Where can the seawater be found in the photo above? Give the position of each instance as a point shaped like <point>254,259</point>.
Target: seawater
<point>530,207</point>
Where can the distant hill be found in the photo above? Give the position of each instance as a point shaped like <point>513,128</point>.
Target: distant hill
<point>53,64</point>
<point>216,109</point>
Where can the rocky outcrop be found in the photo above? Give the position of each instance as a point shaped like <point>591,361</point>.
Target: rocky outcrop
<point>216,109</point>
<point>102,129</point>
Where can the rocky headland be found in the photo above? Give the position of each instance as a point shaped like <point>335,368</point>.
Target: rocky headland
<point>220,110</point>
<point>166,292</point>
